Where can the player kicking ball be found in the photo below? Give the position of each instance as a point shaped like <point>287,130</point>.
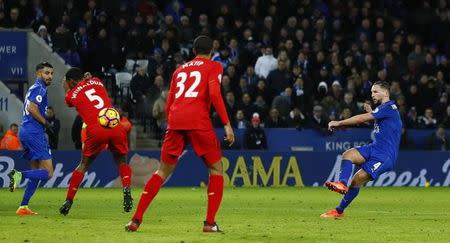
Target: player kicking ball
<point>33,138</point>
<point>375,158</point>
<point>89,96</point>
<point>194,86</point>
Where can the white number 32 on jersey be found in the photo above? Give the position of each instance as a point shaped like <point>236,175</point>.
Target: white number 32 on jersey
<point>190,93</point>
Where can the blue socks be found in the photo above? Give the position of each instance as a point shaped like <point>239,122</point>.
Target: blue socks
<point>346,171</point>
<point>34,176</point>
<point>39,174</point>
<point>348,198</point>
<point>29,191</point>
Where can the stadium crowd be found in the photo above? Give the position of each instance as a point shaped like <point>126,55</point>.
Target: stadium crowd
<point>295,63</point>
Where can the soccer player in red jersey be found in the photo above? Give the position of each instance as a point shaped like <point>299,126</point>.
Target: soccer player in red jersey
<point>194,86</point>
<point>88,95</point>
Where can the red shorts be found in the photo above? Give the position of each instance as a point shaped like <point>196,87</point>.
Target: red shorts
<point>98,137</point>
<point>204,143</point>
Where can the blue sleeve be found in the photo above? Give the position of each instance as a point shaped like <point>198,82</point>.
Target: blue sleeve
<point>383,112</point>
<point>37,95</point>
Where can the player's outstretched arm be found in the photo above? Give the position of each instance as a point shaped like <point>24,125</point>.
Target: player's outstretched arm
<point>354,120</point>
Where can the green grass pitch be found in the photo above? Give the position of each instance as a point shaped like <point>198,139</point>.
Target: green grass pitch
<point>246,215</point>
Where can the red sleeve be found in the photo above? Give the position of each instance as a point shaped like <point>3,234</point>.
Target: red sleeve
<point>170,98</point>
<point>67,99</point>
<point>215,95</point>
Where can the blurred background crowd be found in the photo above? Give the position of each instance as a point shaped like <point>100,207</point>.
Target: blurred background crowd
<point>296,63</point>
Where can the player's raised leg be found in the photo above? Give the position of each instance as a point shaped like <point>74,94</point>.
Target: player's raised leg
<point>349,157</point>
<point>215,193</point>
<point>360,178</point>
<point>151,189</point>
<point>75,181</point>
<point>125,176</point>
<point>41,170</point>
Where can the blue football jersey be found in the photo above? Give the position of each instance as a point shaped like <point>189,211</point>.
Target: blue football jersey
<point>387,130</point>
<point>37,94</point>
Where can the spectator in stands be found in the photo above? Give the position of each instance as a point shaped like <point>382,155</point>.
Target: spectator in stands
<point>82,43</point>
<point>231,104</point>
<point>275,120</point>
<point>345,114</point>
<point>412,97</point>
<point>226,85</point>
<point>283,102</point>
<point>254,136</point>
<point>349,103</point>
<point>261,106</point>
<point>14,21</point>
<point>318,120</point>
<point>439,140</point>
<point>262,90</point>
<point>446,120</point>
<point>159,112</point>
<point>266,63</point>
<point>250,76</point>
<point>43,33</point>
<point>187,32</point>
<point>223,57</point>
<point>439,108</point>
<point>154,62</point>
<point>53,138</point>
<point>247,107</point>
<point>428,120</point>
<point>140,86</point>
<point>412,120</point>
<point>297,119</point>
<point>157,88</point>
<point>64,45</point>
<point>101,52</point>
<point>279,79</point>
<point>240,122</point>
<point>11,141</point>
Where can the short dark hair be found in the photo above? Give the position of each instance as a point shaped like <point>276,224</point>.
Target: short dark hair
<point>203,45</point>
<point>75,74</point>
<point>50,108</point>
<point>42,65</point>
<point>383,84</point>
<point>13,125</point>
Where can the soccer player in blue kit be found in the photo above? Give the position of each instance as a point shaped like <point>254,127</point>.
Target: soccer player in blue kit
<point>32,135</point>
<point>375,158</point>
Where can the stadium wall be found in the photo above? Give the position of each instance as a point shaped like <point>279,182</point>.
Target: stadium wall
<point>243,168</point>
<point>11,107</point>
<point>291,139</point>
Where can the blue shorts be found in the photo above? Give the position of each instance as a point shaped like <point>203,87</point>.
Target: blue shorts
<point>35,146</point>
<point>376,162</point>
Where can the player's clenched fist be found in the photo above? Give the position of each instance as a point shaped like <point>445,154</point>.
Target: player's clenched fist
<point>333,124</point>
<point>229,134</point>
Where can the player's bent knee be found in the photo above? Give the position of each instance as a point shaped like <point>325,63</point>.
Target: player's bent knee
<point>215,168</point>
<point>360,178</point>
<point>165,169</point>
<point>353,155</point>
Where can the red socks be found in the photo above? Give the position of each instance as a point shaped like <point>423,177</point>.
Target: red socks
<point>150,190</point>
<point>75,181</point>
<point>125,174</point>
<point>215,193</point>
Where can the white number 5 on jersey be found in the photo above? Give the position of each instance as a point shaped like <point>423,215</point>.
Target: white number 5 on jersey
<point>92,97</point>
<point>190,93</point>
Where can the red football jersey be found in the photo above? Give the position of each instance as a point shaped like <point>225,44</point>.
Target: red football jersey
<point>194,86</point>
<point>89,97</point>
